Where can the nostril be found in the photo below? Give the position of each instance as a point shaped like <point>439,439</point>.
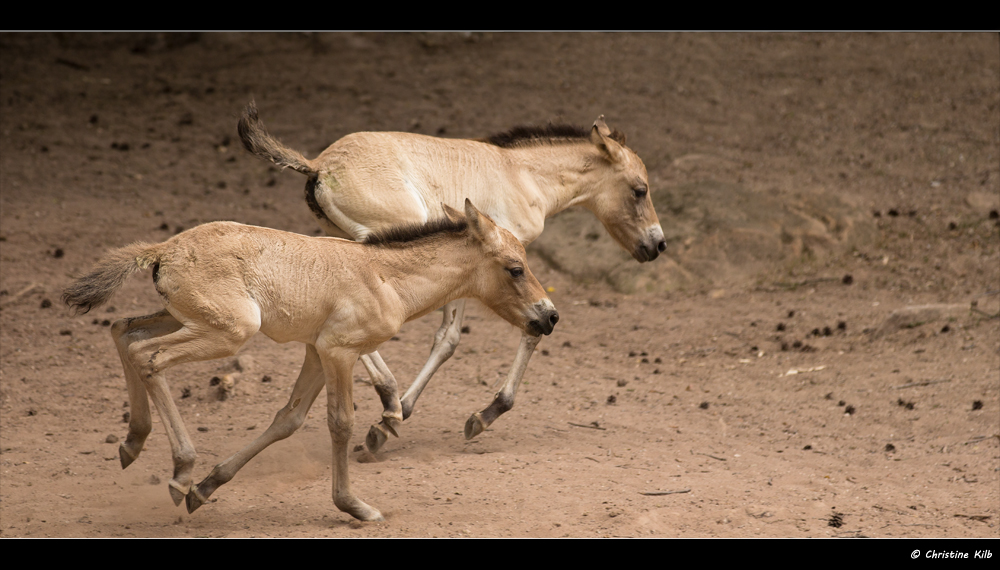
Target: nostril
<point>661,246</point>
<point>554,319</point>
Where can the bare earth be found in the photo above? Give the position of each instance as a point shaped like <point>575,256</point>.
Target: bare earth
<point>709,409</point>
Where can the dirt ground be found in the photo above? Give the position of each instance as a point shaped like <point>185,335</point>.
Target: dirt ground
<point>807,400</point>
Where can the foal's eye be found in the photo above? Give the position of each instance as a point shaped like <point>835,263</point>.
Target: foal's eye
<point>640,191</point>
<point>515,272</point>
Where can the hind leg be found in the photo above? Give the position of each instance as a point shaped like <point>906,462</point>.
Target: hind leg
<point>126,332</point>
<point>392,410</point>
<point>288,419</point>
<point>445,342</point>
<point>150,358</point>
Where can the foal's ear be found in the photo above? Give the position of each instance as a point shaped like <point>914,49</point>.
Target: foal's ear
<point>480,224</point>
<point>451,213</point>
<point>600,135</point>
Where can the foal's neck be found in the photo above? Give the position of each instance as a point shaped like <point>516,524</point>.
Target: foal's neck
<point>429,272</point>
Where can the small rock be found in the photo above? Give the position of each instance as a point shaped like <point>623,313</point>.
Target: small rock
<point>112,438</point>
<point>836,520</point>
<point>226,383</point>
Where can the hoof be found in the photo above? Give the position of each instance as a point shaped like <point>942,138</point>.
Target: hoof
<point>177,492</point>
<point>376,438</point>
<point>389,425</point>
<point>364,512</point>
<point>474,426</point>
<point>194,500</point>
<point>124,455</point>
<point>376,517</point>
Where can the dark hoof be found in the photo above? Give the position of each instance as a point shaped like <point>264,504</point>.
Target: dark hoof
<point>387,425</point>
<point>376,438</point>
<point>176,494</point>
<point>125,457</point>
<point>194,500</point>
<point>474,426</point>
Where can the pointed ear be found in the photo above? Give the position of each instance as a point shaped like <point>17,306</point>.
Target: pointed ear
<point>602,127</point>
<point>600,135</point>
<point>451,213</point>
<point>480,224</point>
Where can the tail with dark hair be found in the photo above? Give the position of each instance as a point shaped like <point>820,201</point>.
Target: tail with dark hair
<point>97,287</point>
<point>257,140</point>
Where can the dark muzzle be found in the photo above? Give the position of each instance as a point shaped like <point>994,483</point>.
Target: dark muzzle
<point>546,323</point>
<point>652,251</point>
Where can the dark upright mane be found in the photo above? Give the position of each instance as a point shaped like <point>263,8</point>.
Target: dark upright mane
<point>549,134</point>
<point>412,232</point>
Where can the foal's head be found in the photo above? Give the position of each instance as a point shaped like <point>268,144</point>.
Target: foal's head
<point>503,281</point>
<point>621,200</point>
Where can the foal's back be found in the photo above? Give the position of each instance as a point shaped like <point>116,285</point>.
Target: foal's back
<point>236,275</point>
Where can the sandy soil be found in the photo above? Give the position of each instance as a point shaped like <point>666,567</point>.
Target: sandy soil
<point>712,410</point>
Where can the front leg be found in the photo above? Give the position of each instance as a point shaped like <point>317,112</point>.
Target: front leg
<point>338,366</point>
<point>504,399</point>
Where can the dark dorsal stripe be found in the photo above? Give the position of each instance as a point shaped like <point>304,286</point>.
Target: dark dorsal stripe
<point>411,232</point>
<point>527,136</point>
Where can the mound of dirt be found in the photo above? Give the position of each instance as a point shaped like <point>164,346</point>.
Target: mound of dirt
<point>718,234</point>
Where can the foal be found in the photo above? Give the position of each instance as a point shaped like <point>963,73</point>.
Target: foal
<point>223,282</point>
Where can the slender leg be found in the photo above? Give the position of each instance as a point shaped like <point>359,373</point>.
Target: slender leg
<point>288,419</point>
<point>504,399</point>
<point>338,365</point>
<point>445,341</point>
<point>125,332</point>
<point>151,357</point>
<point>385,385</point>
